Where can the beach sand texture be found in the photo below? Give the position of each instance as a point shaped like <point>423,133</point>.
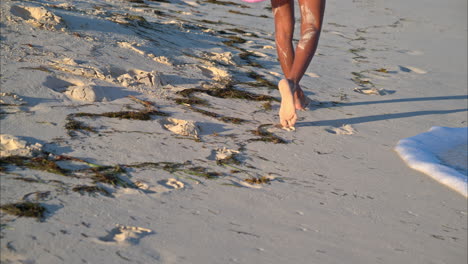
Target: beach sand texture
<point>148,134</point>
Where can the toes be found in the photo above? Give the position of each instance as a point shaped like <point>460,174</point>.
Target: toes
<point>288,122</point>
<point>293,121</point>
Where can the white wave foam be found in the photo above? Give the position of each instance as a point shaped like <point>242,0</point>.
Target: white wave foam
<point>441,153</point>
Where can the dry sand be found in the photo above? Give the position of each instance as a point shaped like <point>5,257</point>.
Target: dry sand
<point>132,191</point>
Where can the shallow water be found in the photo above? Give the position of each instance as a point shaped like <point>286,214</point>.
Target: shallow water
<point>456,157</point>
<point>441,153</point>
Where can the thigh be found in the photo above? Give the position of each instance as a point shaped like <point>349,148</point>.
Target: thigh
<point>312,12</point>
<point>283,11</point>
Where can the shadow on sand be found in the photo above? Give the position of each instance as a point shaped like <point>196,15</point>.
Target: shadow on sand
<point>372,118</point>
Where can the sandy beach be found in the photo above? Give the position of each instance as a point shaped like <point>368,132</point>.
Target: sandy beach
<point>146,131</point>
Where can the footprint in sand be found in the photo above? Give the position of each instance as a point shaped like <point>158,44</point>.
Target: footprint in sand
<point>75,88</point>
<point>343,130</point>
<point>372,91</point>
<point>181,127</point>
<point>136,77</point>
<point>173,183</point>
<point>223,58</point>
<point>217,74</point>
<point>69,65</point>
<point>124,235</point>
<point>11,99</point>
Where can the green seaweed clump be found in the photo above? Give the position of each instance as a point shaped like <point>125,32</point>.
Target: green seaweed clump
<point>82,189</point>
<point>110,175</point>
<point>234,40</point>
<point>226,119</point>
<point>134,115</point>
<point>174,167</point>
<point>202,172</point>
<point>233,159</point>
<point>266,136</point>
<point>38,163</point>
<point>24,209</point>
<point>191,101</point>
<point>267,106</point>
<point>73,125</point>
<point>260,81</point>
<point>228,92</point>
<point>170,167</point>
<point>255,180</point>
<point>382,70</point>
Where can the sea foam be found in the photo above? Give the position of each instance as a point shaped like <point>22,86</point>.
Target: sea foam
<point>441,153</point>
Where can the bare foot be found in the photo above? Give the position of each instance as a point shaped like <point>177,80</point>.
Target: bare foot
<point>301,101</point>
<point>287,111</point>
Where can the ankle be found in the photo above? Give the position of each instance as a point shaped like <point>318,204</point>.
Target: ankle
<point>293,85</point>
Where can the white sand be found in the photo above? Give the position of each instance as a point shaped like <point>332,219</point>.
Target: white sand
<point>331,198</point>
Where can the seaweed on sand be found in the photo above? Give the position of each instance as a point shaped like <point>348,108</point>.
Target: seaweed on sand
<point>361,80</point>
<point>174,167</point>
<point>228,92</point>
<point>38,163</point>
<point>73,125</point>
<point>255,180</point>
<point>266,136</point>
<point>226,119</point>
<point>234,40</point>
<point>260,81</point>
<point>202,172</point>
<point>134,115</point>
<point>246,55</point>
<point>232,159</point>
<point>267,106</point>
<point>170,167</point>
<point>110,175</point>
<point>193,100</point>
<point>82,189</point>
<point>24,209</point>
<point>144,114</point>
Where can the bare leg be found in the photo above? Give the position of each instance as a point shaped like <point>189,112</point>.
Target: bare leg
<point>311,24</point>
<point>295,65</point>
<point>283,11</point>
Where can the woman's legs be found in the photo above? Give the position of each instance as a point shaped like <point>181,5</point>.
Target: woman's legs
<point>295,63</point>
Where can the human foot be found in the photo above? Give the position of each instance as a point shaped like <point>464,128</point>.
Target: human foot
<point>287,111</point>
<point>301,101</point>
